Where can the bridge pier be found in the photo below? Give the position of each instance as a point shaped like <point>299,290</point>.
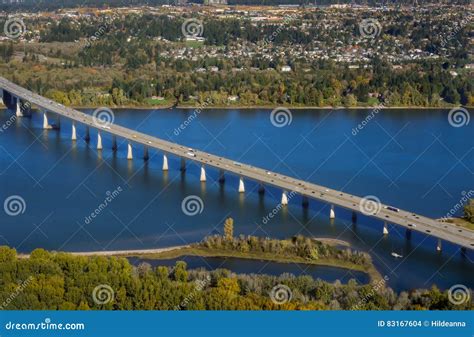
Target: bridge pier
<point>99,141</point>
<point>73,134</point>
<point>261,189</point>
<point>46,125</point>
<point>129,152</point>
<point>87,137</point>
<point>165,163</point>
<point>305,202</point>
<point>438,246</point>
<point>114,144</point>
<point>221,176</point>
<point>18,111</point>
<point>183,165</point>
<point>332,214</point>
<point>284,198</point>
<point>146,155</point>
<point>203,174</point>
<point>385,228</point>
<point>354,217</point>
<point>241,185</point>
<point>408,234</point>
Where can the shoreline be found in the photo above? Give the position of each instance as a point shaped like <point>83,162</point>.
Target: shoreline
<point>188,250</point>
<point>126,252</point>
<point>372,272</point>
<point>266,107</point>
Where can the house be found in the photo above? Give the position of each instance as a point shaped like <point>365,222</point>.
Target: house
<point>286,69</point>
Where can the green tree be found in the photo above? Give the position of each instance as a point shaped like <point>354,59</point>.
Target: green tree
<point>469,211</point>
<point>229,229</point>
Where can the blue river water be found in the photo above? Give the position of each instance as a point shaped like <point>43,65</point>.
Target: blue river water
<point>413,160</point>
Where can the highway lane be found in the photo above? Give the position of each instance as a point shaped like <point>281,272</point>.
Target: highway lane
<point>389,214</point>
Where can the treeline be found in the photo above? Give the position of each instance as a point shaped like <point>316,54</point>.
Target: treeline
<point>300,246</point>
<point>34,5</point>
<point>325,84</point>
<point>469,211</point>
<point>59,281</point>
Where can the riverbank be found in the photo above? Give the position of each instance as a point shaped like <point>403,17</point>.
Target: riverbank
<point>371,271</point>
<point>117,253</point>
<point>253,107</point>
<point>193,250</point>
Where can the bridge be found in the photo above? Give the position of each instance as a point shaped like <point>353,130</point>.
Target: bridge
<point>15,96</point>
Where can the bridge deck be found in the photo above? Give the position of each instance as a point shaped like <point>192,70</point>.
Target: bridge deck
<point>445,231</point>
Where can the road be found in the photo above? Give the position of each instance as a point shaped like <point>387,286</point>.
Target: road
<point>444,231</point>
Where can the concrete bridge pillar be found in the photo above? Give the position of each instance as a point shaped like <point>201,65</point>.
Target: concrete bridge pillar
<point>99,141</point>
<point>241,185</point>
<point>165,163</point>
<point>332,214</point>
<point>114,143</point>
<point>438,246</point>
<point>305,202</point>
<point>221,176</point>
<point>74,134</point>
<point>46,125</point>
<point>354,217</point>
<point>146,155</point>
<point>130,152</point>
<point>18,111</point>
<point>183,165</point>
<point>385,228</point>
<point>284,198</point>
<point>203,174</point>
<point>408,234</point>
<point>87,137</point>
<point>261,189</point>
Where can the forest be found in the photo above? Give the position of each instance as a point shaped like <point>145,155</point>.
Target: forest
<point>60,281</point>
